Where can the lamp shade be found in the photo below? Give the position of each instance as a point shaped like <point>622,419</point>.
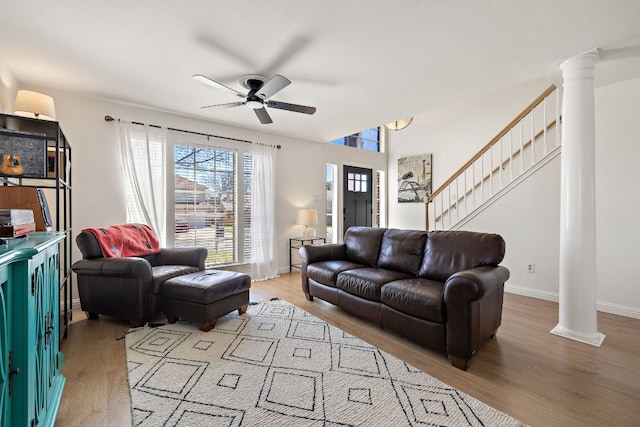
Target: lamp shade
<point>34,104</point>
<point>307,217</point>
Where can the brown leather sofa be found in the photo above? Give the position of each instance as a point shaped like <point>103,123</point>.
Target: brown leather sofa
<point>129,287</point>
<point>443,289</point>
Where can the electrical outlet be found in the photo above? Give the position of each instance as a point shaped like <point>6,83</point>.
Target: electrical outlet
<point>531,267</point>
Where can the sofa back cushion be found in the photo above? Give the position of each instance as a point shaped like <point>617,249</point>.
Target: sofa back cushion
<point>363,244</point>
<point>402,250</point>
<point>137,240</point>
<point>88,245</point>
<point>448,252</point>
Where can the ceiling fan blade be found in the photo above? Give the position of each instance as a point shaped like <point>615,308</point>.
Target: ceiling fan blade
<point>263,116</point>
<point>227,105</point>
<point>206,80</point>
<point>291,107</point>
<point>292,48</point>
<point>273,86</point>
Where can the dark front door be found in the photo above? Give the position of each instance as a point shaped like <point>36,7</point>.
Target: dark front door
<point>357,197</point>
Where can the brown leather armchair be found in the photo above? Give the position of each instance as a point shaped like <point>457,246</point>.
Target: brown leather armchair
<point>128,287</point>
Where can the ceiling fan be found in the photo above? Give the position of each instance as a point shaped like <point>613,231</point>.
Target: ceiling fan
<point>260,90</point>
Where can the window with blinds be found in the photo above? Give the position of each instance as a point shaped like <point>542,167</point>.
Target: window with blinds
<point>246,206</point>
<point>208,209</point>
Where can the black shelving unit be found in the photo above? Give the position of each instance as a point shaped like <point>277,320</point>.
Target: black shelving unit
<point>55,180</point>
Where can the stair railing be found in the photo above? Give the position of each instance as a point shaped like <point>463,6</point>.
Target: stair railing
<point>525,141</point>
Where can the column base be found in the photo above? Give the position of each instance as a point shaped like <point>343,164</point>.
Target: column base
<point>595,339</point>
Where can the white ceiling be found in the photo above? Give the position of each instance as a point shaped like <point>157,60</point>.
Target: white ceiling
<point>361,63</point>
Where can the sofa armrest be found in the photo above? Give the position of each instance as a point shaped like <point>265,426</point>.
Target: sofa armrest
<point>193,256</point>
<point>471,285</point>
<point>473,300</point>
<point>316,253</point>
<point>326,252</point>
<point>128,267</point>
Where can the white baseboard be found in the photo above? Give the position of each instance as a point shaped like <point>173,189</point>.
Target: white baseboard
<point>605,307</point>
<point>533,293</point>
<point>620,310</point>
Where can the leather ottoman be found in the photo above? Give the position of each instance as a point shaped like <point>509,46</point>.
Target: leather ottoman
<point>204,296</point>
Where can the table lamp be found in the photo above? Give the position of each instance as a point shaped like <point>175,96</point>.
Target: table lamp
<point>307,217</point>
<point>34,104</point>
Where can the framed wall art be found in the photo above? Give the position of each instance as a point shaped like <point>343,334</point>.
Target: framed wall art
<point>414,178</point>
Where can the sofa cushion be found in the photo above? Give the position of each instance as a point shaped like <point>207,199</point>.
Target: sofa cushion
<point>166,272</point>
<point>326,272</point>
<point>421,298</point>
<point>448,252</point>
<point>205,287</point>
<point>363,244</point>
<point>366,282</point>
<point>402,250</point>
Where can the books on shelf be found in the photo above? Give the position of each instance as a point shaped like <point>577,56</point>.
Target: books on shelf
<point>16,222</point>
<point>31,198</point>
<point>16,216</point>
<point>16,230</point>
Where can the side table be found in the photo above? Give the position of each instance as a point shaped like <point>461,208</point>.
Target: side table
<point>297,243</point>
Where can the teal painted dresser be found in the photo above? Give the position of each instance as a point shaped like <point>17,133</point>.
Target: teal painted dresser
<point>30,359</point>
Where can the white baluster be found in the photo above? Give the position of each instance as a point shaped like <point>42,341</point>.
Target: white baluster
<point>511,154</point>
<point>544,127</point>
<point>533,135</point>
<point>521,146</point>
<point>466,205</point>
<point>558,124</point>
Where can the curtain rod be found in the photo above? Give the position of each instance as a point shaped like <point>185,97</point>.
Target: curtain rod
<point>111,119</point>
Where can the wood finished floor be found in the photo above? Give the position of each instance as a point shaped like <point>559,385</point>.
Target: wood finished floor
<point>528,373</point>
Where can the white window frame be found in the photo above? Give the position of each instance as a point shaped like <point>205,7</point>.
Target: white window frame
<point>177,138</point>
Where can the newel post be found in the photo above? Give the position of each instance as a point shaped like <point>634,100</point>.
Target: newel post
<point>427,199</point>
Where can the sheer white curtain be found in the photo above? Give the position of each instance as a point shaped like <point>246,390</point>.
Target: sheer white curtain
<point>142,151</point>
<point>264,259</point>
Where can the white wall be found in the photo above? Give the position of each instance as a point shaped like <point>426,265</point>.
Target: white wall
<point>528,217</point>
<point>452,134</point>
<point>617,195</point>
<point>7,88</point>
<point>97,185</point>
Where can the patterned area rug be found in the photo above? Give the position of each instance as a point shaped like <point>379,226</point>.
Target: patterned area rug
<point>278,365</point>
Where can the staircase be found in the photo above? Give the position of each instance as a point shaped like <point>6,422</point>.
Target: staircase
<point>526,144</point>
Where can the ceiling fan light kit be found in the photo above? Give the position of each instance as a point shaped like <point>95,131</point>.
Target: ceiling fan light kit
<point>255,104</point>
<point>260,90</point>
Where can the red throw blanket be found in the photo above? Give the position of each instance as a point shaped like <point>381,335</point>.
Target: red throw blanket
<point>126,240</point>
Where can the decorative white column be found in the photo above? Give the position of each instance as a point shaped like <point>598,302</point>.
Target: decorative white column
<point>578,312</point>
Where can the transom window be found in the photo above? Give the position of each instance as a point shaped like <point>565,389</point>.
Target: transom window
<point>366,140</point>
